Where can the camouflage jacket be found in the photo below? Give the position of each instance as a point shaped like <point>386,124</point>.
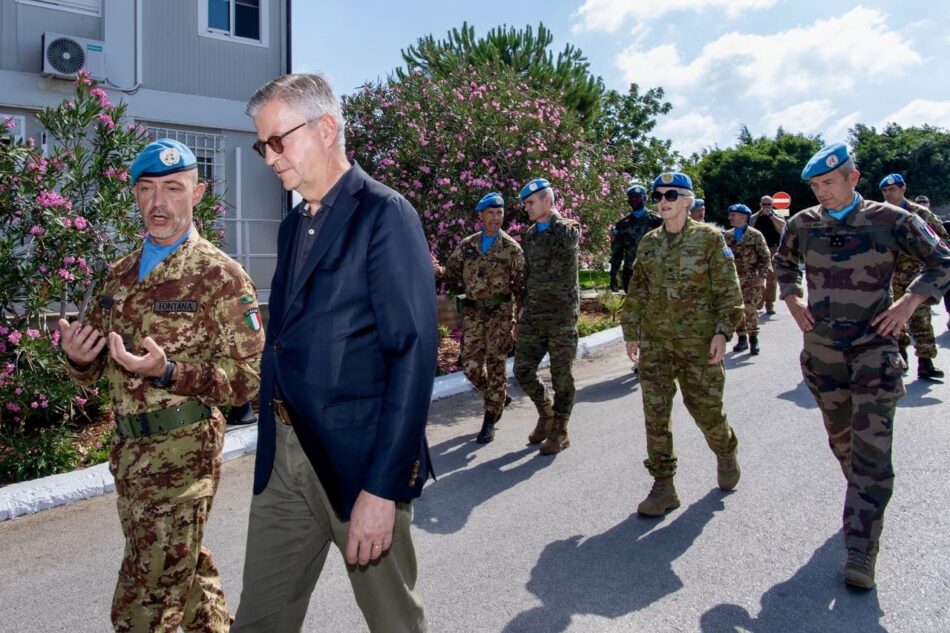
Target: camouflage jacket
<point>500,271</point>
<point>752,257</point>
<point>908,267</point>
<point>849,264</point>
<point>551,285</point>
<point>684,285</point>
<point>201,308</point>
<point>625,238</point>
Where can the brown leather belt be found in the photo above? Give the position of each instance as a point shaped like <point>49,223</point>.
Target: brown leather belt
<point>283,413</point>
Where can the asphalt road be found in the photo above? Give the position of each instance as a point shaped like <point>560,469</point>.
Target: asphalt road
<point>511,541</point>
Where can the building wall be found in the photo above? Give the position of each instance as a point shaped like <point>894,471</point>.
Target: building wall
<point>189,83</point>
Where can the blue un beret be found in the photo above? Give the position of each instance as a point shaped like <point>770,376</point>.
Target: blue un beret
<point>740,208</point>
<point>636,188</point>
<point>492,199</point>
<point>699,202</point>
<point>892,179</point>
<point>162,157</point>
<point>828,158</point>
<point>534,186</point>
<point>673,179</point>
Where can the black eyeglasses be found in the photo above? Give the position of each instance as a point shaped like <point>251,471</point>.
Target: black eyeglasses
<point>275,142</point>
<point>671,195</point>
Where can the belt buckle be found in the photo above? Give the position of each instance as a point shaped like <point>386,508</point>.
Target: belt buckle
<point>282,413</point>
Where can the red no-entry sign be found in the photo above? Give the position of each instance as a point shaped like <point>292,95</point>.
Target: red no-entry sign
<point>781,200</point>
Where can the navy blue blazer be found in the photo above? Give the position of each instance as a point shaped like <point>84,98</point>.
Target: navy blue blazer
<point>353,346</point>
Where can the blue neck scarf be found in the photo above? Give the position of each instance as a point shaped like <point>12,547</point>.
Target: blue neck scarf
<point>487,241</point>
<point>153,254</point>
<point>542,226</point>
<point>639,214</point>
<point>840,215</point>
<point>740,231</point>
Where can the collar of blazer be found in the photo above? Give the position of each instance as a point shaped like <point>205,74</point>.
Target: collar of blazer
<point>343,208</point>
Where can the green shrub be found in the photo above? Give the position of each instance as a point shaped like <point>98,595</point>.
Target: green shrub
<point>46,451</point>
<point>592,323</point>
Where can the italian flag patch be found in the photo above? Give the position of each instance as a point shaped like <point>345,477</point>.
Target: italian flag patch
<point>253,319</point>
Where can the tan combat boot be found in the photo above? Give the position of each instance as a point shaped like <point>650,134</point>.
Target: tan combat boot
<point>557,439</point>
<point>662,498</point>
<point>859,570</point>
<point>541,429</point>
<point>727,471</point>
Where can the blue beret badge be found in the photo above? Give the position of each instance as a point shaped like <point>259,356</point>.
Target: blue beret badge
<point>533,187</point>
<point>675,179</point>
<point>161,158</point>
<point>740,208</point>
<point>827,159</point>
<point>892,179</point>
<point>637,188</point>
<point>492,199</point>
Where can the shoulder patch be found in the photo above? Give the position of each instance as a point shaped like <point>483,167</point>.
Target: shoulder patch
<point>925,231</point>
<point>252,318</point>
<point>728,252</point>
<point>247,299</point>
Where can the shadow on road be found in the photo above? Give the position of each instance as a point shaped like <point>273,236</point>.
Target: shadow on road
<point>814,599</point>
<point>612,389</point>
<point>917,394</point>
<point>448,502</point>
<point>799,396</point>
<point>614,573</point>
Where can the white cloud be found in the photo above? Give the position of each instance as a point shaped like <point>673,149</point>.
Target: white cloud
<point>609,15</point>
<point>921,112</point>
<point>806,117</point>
<point>839,129</point>
<point>694,131</point>
<point>830,56</point>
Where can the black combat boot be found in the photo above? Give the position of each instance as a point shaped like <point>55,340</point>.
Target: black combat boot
<point>926,369</point>
<point>742,345</point>
<point>487,434</point>
<point>753,344</point>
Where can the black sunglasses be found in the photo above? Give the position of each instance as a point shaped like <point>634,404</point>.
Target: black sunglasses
<point>671,195</point>
<point>275,142</point>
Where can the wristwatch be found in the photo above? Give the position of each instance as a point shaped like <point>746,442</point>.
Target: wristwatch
<point>165,380</point>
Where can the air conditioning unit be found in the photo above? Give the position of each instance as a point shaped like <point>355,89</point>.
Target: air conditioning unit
<point>66,55</point>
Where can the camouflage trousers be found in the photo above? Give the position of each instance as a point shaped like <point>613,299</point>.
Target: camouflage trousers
<point>857,391</point>
<point>919,328</point>
<point>663,364</point>
<point>165,485</point>
<point>535,339</point>
<point>486,341</point>
<point>752,301</point>
<point>769,294</point>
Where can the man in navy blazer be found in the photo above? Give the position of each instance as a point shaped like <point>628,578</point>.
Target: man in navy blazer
<point>346,376</point>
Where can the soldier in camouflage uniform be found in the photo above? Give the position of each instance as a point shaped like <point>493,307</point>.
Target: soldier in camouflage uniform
<point>850,360</point>
<point>682,307</point>
<point>548,323</point>
<point>489,266</point>
<point>626,235</point>
<point>754,266</point>
<point>182,326</point>
<point>907,268</point>
<point>698,211</point>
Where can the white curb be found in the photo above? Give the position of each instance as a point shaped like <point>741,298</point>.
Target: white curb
<point>33,496</point>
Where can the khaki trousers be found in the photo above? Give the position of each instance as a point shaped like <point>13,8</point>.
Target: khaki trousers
<point>290,530</point>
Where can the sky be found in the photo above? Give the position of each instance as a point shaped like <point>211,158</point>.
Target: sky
<point>816,67</point>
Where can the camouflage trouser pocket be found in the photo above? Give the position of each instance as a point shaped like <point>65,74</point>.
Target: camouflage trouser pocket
<point>892,369</point>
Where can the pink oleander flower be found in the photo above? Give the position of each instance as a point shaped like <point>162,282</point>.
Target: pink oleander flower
<point>14,337</point>
<point>55,338</point>
<point>37,230</point>
<point>32,332</point>
<point>80,223</point>
<point>9,123</point>
<point>65,274</point>
<point>81,401</point>
<point>100,94</point>
<point>13,406</point>
<point>106,120</point>
<point>69,260</point>
<point>52,199</point>
<point>18,391</point>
